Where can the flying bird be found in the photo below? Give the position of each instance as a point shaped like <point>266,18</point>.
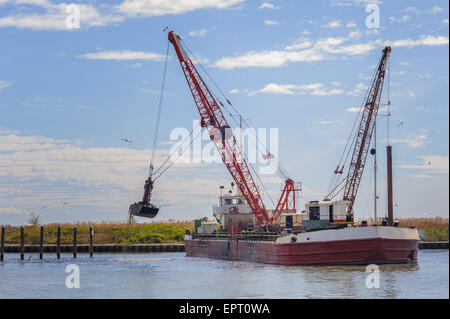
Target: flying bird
<point>28,258</point>
<point>165,28</point>
<point>127,140</point>
<point>268,156</point>
<point>64,203</point>
<point>401,123</point>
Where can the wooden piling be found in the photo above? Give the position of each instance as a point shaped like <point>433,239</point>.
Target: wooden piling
<point>389,186</point>
<point>74,241</point>
<point>91,241</point>
<point>58,243</point>
<point>2,244</point>
<point>41,244</point>
<point>22,243</point>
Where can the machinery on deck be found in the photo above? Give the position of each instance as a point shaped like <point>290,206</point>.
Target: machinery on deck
<point>337,213</point>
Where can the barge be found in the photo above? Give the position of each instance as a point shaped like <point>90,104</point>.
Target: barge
<point>321,241</point>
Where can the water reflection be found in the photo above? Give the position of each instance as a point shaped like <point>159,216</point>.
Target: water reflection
<point>173,275</point>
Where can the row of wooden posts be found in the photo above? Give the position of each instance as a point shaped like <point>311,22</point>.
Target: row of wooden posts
<point>41,243</point>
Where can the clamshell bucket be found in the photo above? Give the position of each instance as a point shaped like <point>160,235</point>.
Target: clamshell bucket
<point>142,210</point>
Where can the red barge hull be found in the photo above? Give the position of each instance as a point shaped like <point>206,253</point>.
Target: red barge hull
<point>375,250</point>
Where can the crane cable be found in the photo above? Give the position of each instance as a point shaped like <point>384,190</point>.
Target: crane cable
<point>281,171</point>
<point>158,117</point>
<point>179,155</point>
<point>243,120</point>
<point>336,180</point>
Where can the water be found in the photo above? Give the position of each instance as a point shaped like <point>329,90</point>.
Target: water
<point>173,275</point>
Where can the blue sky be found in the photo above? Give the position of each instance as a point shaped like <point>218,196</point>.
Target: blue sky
<point>68,97</point>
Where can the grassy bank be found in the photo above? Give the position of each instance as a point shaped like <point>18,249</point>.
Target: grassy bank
<point>104,233</point>
<point>431,229</point>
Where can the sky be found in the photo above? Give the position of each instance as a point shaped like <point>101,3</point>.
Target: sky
<point>68,96</point>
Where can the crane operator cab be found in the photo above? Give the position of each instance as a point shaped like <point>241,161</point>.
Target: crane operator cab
<point>327,214</point>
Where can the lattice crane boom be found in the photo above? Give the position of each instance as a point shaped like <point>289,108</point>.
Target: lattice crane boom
<point>214,121</point>
<point>366,128</point>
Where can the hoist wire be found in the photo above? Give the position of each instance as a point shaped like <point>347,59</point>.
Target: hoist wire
<point>178,155</point>
<point>158,117</point>
<point>243,120</point>
<point>280,167</point>
<point>336,180</point>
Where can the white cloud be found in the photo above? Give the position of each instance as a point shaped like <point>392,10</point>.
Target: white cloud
<point>234,91</point>
<point>54,17</point>
<point>435,9</point>
<point>9,210</point>
<point>4,85</point>
<point>333,24</point>
<point>38,170</point>
<point>413,140</point>
<point>302,50</point>
<point>305,89</point>
<point>404,18</point>
<point>197,33</point>
<point>349,3</point>
<point>445,21</point>
<point>359,88</point>
<point>353,109</point>
<point>271,22</point>
<point>159,8</point>
<point>350,24</point>
<point>136,65</point>
<point>417,11</point>
<point>267,5</point>
<point>435,164</point>
<point>123,55</point>
<point>355,34</point>
<point>428,40</point>
<point>267,59</point>
<point>302,44</point>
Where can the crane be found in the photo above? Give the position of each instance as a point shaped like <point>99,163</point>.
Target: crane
<point>363,136</point>
<point>213,119</point>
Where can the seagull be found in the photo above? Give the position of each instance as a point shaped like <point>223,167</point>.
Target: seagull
<point>28,258</point>
<point>127,140</point>
<point>165,28</point>
<point>401,123</point>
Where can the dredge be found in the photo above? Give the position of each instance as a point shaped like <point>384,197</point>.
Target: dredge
<point>326,232</point>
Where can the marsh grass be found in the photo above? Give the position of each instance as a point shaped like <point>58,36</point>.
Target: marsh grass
<point>170,231</point>
<point>432,229</point>
<point>107,232</point>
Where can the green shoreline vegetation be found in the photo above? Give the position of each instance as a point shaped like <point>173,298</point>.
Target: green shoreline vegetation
<point>119,233</point>
<point>166,232</point>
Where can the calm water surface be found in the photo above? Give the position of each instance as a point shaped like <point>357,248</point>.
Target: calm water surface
<point>172,275</point>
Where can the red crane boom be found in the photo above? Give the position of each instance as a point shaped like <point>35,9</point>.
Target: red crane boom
<point>213,119</point>
<point>364,134</point>
<point>220,133</point>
